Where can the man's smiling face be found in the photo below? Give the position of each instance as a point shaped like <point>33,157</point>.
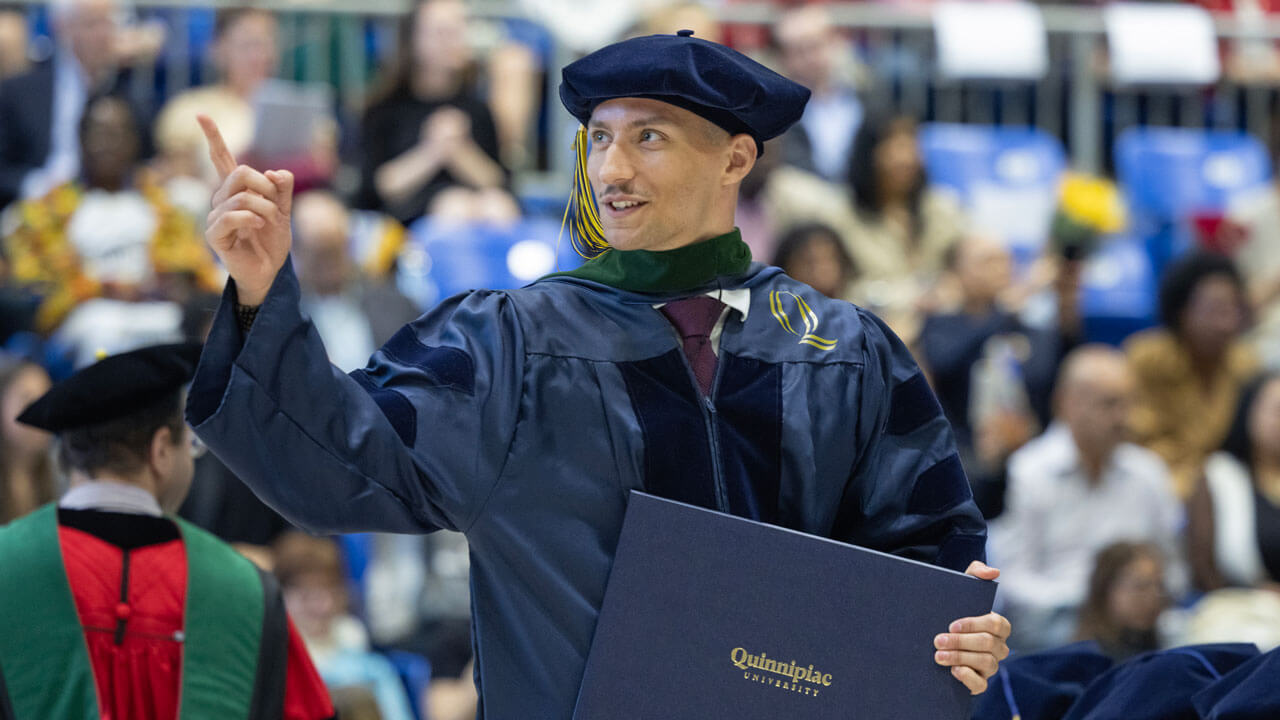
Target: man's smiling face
<point>656,171</point>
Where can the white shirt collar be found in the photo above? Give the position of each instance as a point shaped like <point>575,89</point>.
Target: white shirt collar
<point>111,496</point>
<point>738,299</point>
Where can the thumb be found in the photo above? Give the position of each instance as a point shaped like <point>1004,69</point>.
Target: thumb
<point>283,180</point>
<point>980,570</point>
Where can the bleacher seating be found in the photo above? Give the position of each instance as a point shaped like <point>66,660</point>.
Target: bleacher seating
<point>444,259</point>
<point>1006,177</point>
<point>1171,174</point>
<point>1118,291</point>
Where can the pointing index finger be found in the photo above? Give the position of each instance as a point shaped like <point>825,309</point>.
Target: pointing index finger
<point>223,161</point>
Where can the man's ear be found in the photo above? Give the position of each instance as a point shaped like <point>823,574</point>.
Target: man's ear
<point>742,157</point>
<point>162,447</point>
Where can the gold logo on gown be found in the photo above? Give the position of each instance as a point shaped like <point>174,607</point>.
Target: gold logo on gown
<point>783,309</point>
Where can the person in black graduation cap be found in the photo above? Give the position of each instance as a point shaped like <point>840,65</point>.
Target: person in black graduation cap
<point>668,362</point>
<point>137,614</point>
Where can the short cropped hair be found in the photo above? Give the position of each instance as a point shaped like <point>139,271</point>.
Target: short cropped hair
<point>122,446</point>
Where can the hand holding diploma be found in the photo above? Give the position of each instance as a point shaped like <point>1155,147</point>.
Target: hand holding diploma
<point>973,647</point>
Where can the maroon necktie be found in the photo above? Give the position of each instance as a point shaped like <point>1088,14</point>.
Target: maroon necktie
<point>693,319</point>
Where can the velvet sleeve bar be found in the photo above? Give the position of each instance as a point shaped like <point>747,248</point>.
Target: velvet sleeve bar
<point>413,442</point>
<point>908,494</point>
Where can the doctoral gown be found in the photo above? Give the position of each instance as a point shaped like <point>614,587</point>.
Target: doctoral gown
<point>114,624</point>
<point>523,418</point>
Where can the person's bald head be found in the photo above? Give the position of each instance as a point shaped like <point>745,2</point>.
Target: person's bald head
<point>1094,396</point>
<point>321,237</point>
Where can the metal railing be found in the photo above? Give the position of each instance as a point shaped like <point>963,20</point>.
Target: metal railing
<point>342,43</point>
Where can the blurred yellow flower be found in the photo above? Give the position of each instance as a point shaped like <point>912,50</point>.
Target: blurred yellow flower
<point>1093,202</point>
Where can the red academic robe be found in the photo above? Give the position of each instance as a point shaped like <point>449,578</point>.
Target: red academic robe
<point>134,637</point>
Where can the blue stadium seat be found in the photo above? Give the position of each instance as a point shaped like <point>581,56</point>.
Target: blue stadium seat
<point>1006,177</point>
<point>415,674</point>
<point>444,259</point>
<point>1169,174</point>
<point>357,553</point>
<point>1118,293</point>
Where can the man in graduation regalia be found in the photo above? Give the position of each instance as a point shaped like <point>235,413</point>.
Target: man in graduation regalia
<point>110,606</point>
<point>669,363</point>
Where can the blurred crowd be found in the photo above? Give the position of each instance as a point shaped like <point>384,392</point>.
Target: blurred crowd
<point>1133,487</point>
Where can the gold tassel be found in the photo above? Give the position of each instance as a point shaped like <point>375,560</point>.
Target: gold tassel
<point>581,214</point>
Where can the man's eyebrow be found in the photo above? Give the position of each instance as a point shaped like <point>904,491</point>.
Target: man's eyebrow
<point>638,122</point>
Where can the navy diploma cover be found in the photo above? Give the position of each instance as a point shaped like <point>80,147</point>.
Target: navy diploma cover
<point>707,615</point>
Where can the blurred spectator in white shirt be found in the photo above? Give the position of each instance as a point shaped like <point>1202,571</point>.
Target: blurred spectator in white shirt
<point>812,52</point>
<point>1074,490</point>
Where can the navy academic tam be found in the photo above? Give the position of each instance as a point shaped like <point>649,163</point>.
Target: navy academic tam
<point>716,82</point>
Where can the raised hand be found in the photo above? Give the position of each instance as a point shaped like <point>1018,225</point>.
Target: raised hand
<point>248,226</point>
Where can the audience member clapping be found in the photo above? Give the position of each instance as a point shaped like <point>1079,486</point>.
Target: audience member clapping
<point>1235,511</point>
<point>1126,597</point>
<point>26,468</point>
<point>1190,370</point>
<point>428,143</point>
<point>814,255</point>
<point>114,234</point>
<point>1072,492</point>
<point>315,595</point>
